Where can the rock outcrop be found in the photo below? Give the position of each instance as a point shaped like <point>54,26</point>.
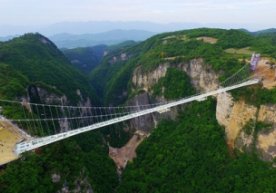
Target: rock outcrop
<point>37,94</point>
<point>234,115</point>
<point>143,123</point>
<point>202,76</point>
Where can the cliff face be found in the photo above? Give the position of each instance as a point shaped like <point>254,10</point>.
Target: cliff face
<point>202,76</point>
<point>44,96</point>
<point>235,115</point>
<point>267,140</point>
<point>143,123</point>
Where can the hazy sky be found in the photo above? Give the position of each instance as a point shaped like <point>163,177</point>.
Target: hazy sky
<point>40,12</point>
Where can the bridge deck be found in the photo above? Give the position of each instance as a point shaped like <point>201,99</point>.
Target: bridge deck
<point>38,142</point>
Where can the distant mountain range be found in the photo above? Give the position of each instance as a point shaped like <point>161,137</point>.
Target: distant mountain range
<point>93,27</point>
<point>6,38</point>
<point>266,31</point>
<point>86,59</point>
<point>87,34</point>
<point>65,40</point>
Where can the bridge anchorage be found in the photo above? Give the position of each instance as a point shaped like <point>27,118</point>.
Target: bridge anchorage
<point>42,124</point>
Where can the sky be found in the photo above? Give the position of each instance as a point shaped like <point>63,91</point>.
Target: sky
<point>258,13</point>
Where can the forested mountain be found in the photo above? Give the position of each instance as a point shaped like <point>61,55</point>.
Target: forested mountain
<point>39,60</point>
<point>223,144</point>
<point>190,155</point>
<point>33,60</point>
<point>87,58</point>
<point>222,49</point>
<point>266,32</point>
<point>108,38</point>
<point>195,154</point>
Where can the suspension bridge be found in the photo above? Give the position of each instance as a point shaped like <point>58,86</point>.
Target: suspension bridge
<point>43,124</point>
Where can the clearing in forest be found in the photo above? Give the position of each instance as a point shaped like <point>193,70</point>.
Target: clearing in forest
<point>209,40</point>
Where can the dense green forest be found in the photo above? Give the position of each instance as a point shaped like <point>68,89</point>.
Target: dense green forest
<point>77,159</point>
<point>12,83</point>
<point>190,155</point>
<point>175,84</point>
<point>86,59</point>
<point>37,58</point>
<point>33,60</point>
<point>186,155</point>
<point>174,48</point>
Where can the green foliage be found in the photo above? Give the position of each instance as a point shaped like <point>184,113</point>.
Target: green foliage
<point>190,155</point>
<point>175,84</point>
<point>175,48</point>
<point>118,84</point>
<point>12,83</point>
<point>116,135</point>
<point>235,39</point>
<point>249,127</point>
<point>111,78</point>
<point>83,157</point>
<point>226,38</point>
<point>38,59</point>
<point>255,95</point>
<point>263,127</point>
<point>183,51</point>
<point>254,127</point>
<point>86,59</point>
<point>208,32</point>
<point>266,44</point>
<point>33,60</point>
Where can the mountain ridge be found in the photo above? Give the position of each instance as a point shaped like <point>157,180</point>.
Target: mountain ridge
<point>108,38</point>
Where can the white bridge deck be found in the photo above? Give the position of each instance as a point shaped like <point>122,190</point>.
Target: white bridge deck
<point>38,142</point>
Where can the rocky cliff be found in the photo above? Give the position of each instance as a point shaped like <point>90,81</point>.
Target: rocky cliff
<point>38,94</point>
<point>235,116</point>
<point>202,76</point>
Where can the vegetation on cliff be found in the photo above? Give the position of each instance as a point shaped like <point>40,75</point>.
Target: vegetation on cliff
<point>174,48</point>
<point>32,60</point>
<point>86,59</point>
<point>190,155</point>
<point>174,85</point>
<point>187,155</point>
